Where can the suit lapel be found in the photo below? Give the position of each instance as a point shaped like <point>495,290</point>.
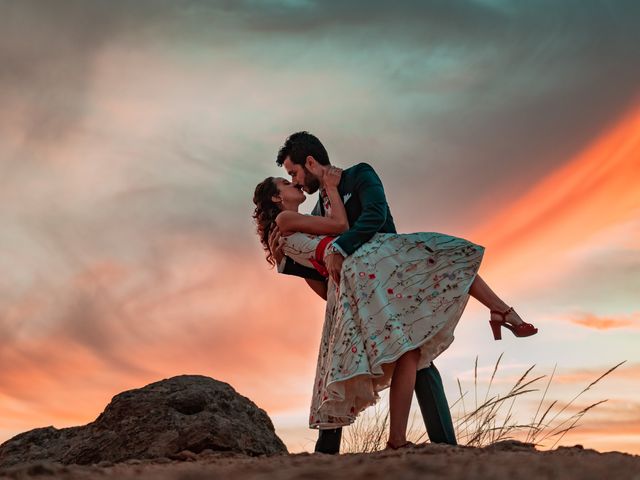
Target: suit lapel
<point>345,188</point>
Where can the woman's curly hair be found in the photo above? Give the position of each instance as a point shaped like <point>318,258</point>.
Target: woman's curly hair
<point>265,212</point>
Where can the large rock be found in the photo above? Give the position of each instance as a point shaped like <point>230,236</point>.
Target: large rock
<point>187,412</point>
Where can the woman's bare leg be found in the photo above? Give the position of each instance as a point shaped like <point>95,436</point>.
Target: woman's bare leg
<point>481,291</point>
<point>402,385</point>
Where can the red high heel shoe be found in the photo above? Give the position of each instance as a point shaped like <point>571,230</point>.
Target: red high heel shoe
<point>522,330</point>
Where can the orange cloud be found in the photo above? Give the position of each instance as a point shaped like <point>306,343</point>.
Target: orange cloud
<point>116,326</point>
<point>509,374</point>
<point>587,375</point>
<point>594,191</point>
<point>604,436</point>
<point>590,320</point>
<point>610,428</point>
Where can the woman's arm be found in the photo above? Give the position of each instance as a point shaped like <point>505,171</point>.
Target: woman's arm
<point>333,224</point>
<point>290,222</point>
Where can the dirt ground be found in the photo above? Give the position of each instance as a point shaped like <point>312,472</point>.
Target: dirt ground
<point>508,460</point>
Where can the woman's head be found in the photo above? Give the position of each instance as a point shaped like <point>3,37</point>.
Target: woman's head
<point>270,197</point>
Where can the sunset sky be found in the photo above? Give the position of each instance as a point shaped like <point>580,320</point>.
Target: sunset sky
<point>133,133</point>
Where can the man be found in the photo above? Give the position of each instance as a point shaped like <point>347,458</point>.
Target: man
<point>368,213</point>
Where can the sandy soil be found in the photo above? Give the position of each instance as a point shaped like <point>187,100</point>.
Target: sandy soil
<point>508,460</point>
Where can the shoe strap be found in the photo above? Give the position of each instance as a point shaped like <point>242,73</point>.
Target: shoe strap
<point>504,314</point>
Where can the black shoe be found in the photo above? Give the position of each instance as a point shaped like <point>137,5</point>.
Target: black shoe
<point>329,441</point>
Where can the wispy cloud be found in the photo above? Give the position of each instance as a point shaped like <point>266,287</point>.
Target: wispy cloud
<point>587,375</point>
<point>592,192</point>
<point>606,323</point>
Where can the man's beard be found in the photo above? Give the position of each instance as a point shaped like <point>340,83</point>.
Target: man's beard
<point>311,182</point>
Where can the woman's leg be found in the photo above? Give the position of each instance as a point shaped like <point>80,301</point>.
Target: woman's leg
<point>481,291</point>
<point>402,384</point>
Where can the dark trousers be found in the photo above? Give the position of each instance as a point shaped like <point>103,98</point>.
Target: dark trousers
<point>433,406</point>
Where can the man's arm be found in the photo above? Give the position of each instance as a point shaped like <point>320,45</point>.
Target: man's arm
<point>369,189</point>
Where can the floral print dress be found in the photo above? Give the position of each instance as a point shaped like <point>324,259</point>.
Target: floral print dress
<point>397,292</point>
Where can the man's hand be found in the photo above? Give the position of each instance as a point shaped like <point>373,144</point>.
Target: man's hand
<point>274,244</point>
<point>333,262</point>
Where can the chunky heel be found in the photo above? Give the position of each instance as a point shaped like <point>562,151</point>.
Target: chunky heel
<point>522,330</point>
<point>495,328</point>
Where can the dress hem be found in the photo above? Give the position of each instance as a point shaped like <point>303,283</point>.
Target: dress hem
<point>393,359</point>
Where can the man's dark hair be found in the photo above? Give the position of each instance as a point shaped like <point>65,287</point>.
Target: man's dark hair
<point>299,146</point>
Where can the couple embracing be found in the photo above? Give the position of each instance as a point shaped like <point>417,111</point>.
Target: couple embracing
<point>393,300</point>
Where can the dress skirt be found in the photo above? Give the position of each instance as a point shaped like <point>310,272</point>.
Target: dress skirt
<point>397,292</point>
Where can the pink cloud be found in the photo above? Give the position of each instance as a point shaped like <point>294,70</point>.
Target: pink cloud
<point>597,322</point>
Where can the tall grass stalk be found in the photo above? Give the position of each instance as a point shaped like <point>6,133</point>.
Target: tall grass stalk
<point>489,422</point>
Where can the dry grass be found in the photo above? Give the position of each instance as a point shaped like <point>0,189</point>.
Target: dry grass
<point>369,432</point>
<point>485,422</point>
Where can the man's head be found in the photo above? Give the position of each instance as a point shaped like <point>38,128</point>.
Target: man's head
<point>301,155</point>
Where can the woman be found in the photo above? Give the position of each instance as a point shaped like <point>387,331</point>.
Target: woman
<point>399,299</point>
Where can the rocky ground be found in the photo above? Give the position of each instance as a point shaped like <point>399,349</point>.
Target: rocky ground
<point>192,427</point>
<point>507,460</point>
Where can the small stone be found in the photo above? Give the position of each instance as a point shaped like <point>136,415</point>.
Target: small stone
<point>184,455</point>
<point>40,469</point>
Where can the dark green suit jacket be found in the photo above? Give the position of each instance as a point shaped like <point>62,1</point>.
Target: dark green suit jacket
<point>367,211</point>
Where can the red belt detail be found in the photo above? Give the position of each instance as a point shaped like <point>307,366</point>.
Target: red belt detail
<point>318,260</point>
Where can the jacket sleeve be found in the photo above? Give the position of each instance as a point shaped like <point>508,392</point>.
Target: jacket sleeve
<point>370,191</point>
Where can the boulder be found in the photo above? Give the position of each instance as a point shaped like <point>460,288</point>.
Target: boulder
<point>163,419</point>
